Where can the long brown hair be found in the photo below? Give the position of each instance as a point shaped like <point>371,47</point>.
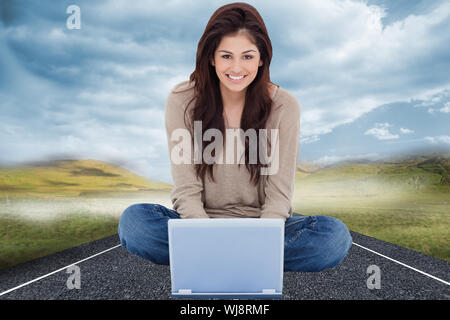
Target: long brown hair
<point>229,20</point>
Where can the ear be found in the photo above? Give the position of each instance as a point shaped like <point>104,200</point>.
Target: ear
<point>260,63</point>
<point>212,62</point>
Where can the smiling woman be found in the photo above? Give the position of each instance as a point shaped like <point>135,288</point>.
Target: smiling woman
<point>231,87</point>
<point>233,59</point>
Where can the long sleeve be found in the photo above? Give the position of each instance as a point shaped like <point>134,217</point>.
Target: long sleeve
<point>279,188</point>
<point>186,195</point>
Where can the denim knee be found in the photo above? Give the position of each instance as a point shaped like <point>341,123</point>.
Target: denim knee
<point>141,232</point>
<point>336,244</point>
<point>129,220</point>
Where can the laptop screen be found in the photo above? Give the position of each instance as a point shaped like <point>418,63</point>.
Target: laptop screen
<point>226,255</point>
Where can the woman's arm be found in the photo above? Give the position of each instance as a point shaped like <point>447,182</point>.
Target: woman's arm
<point>279,188</point>
<point>186,194</point>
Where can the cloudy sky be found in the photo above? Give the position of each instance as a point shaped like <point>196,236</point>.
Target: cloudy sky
<point>372,77</point>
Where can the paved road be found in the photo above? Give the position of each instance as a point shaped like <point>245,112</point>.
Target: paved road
<point>109,272</point>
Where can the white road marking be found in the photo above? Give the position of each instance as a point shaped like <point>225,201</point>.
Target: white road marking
<point>405,265</point>
<point>53,272</point>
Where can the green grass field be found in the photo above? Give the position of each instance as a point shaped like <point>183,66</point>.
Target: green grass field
<point>49,207</point>
<point>420,222</point>
<point>34,227</point>
<point>52,206</point>
<point>404,201</point>
<point>23,240</point>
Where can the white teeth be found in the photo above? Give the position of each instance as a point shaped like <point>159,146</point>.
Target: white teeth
<point>235,78</point>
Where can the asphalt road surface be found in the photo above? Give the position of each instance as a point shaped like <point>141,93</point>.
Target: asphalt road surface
<point>108,271</point>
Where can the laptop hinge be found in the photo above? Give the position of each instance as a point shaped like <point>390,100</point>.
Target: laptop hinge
<point>268,291</point>
<point>184,291</point>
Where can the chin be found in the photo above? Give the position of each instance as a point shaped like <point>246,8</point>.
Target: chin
<point>237,89</point>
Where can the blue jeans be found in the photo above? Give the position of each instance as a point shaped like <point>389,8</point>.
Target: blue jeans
<point>312,243</point>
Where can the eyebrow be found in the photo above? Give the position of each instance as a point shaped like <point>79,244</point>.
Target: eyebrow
<point>232,52</point>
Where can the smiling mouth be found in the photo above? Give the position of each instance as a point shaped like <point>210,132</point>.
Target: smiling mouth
<point>236,78</point>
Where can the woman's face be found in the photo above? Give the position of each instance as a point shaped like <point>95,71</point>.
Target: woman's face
<point>236,56</point>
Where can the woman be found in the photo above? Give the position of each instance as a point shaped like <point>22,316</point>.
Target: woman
<point>230,89</point>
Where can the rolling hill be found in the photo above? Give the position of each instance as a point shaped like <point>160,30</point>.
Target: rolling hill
<point>72,178</point>
<point>89,177</point>
<point>427,173</point>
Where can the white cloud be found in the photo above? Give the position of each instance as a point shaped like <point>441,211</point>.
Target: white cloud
<point>432,98</point>
<point>327,160</point>
<point>438,139</point>
<point>381,132</point>
<point>445,108</point>
<point>350,63</point>
<point>309,139</point>
<point>406,131</point>
<point>430,102</point>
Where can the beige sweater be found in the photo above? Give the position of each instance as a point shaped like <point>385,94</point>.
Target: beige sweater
<point>232,195</point>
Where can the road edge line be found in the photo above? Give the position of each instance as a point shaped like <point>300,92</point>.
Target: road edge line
<point>403,264</point>
<point>56,271</point>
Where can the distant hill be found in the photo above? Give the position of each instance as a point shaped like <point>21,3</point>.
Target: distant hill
<point>306,168</point>
<point>84,177</point>
<point>72,178</point>
<point>418,172</point>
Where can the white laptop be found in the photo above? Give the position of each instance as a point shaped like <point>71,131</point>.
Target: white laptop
<point>226,257</point>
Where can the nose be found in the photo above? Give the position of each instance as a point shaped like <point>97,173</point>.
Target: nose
<point>236,68</point>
